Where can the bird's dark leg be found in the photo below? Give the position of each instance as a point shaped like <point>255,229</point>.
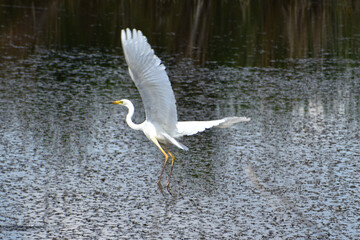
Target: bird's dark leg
<point>171,169</point>
<point>162,171</point>
<point>166,159</point>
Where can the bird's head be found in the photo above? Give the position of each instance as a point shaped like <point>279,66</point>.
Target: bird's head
<point>123,102</point>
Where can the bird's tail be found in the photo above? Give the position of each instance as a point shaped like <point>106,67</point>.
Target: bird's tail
<point>175,142</point>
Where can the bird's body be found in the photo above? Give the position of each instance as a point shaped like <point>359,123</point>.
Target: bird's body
<point>161,125</point>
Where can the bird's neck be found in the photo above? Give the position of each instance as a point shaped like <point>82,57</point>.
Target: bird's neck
<point>129,118</point>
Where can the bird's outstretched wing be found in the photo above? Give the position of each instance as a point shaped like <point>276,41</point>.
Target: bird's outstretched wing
<point>150,78</point>
<point>193,127</point>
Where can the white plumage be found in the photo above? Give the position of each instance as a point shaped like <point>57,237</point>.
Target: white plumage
<point>161,125</point>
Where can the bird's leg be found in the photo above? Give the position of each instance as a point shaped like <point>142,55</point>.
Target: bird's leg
<point>166,159</point>
<point>172,166</point>
<point>171,169</point>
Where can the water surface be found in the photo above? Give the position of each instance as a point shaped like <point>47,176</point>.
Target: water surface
<point>70,167</point>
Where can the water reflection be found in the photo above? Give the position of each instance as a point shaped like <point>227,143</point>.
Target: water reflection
<point>245,33</point>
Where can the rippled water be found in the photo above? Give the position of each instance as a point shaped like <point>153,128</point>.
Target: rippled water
<point>71,167</point>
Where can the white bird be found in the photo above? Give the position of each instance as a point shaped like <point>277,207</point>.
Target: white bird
<point>161,125</point>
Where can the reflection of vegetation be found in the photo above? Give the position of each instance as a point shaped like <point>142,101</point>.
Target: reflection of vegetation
<point>246,32</point>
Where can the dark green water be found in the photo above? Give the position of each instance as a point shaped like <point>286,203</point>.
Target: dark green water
<point>71,168</point>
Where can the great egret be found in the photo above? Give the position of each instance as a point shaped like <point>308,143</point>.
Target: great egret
<point>161,125</point>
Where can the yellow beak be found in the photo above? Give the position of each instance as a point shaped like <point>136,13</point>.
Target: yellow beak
<point>116,102</point>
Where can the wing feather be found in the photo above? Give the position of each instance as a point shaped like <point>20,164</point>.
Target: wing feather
<point>193,127</point>
<point>150,78</point>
